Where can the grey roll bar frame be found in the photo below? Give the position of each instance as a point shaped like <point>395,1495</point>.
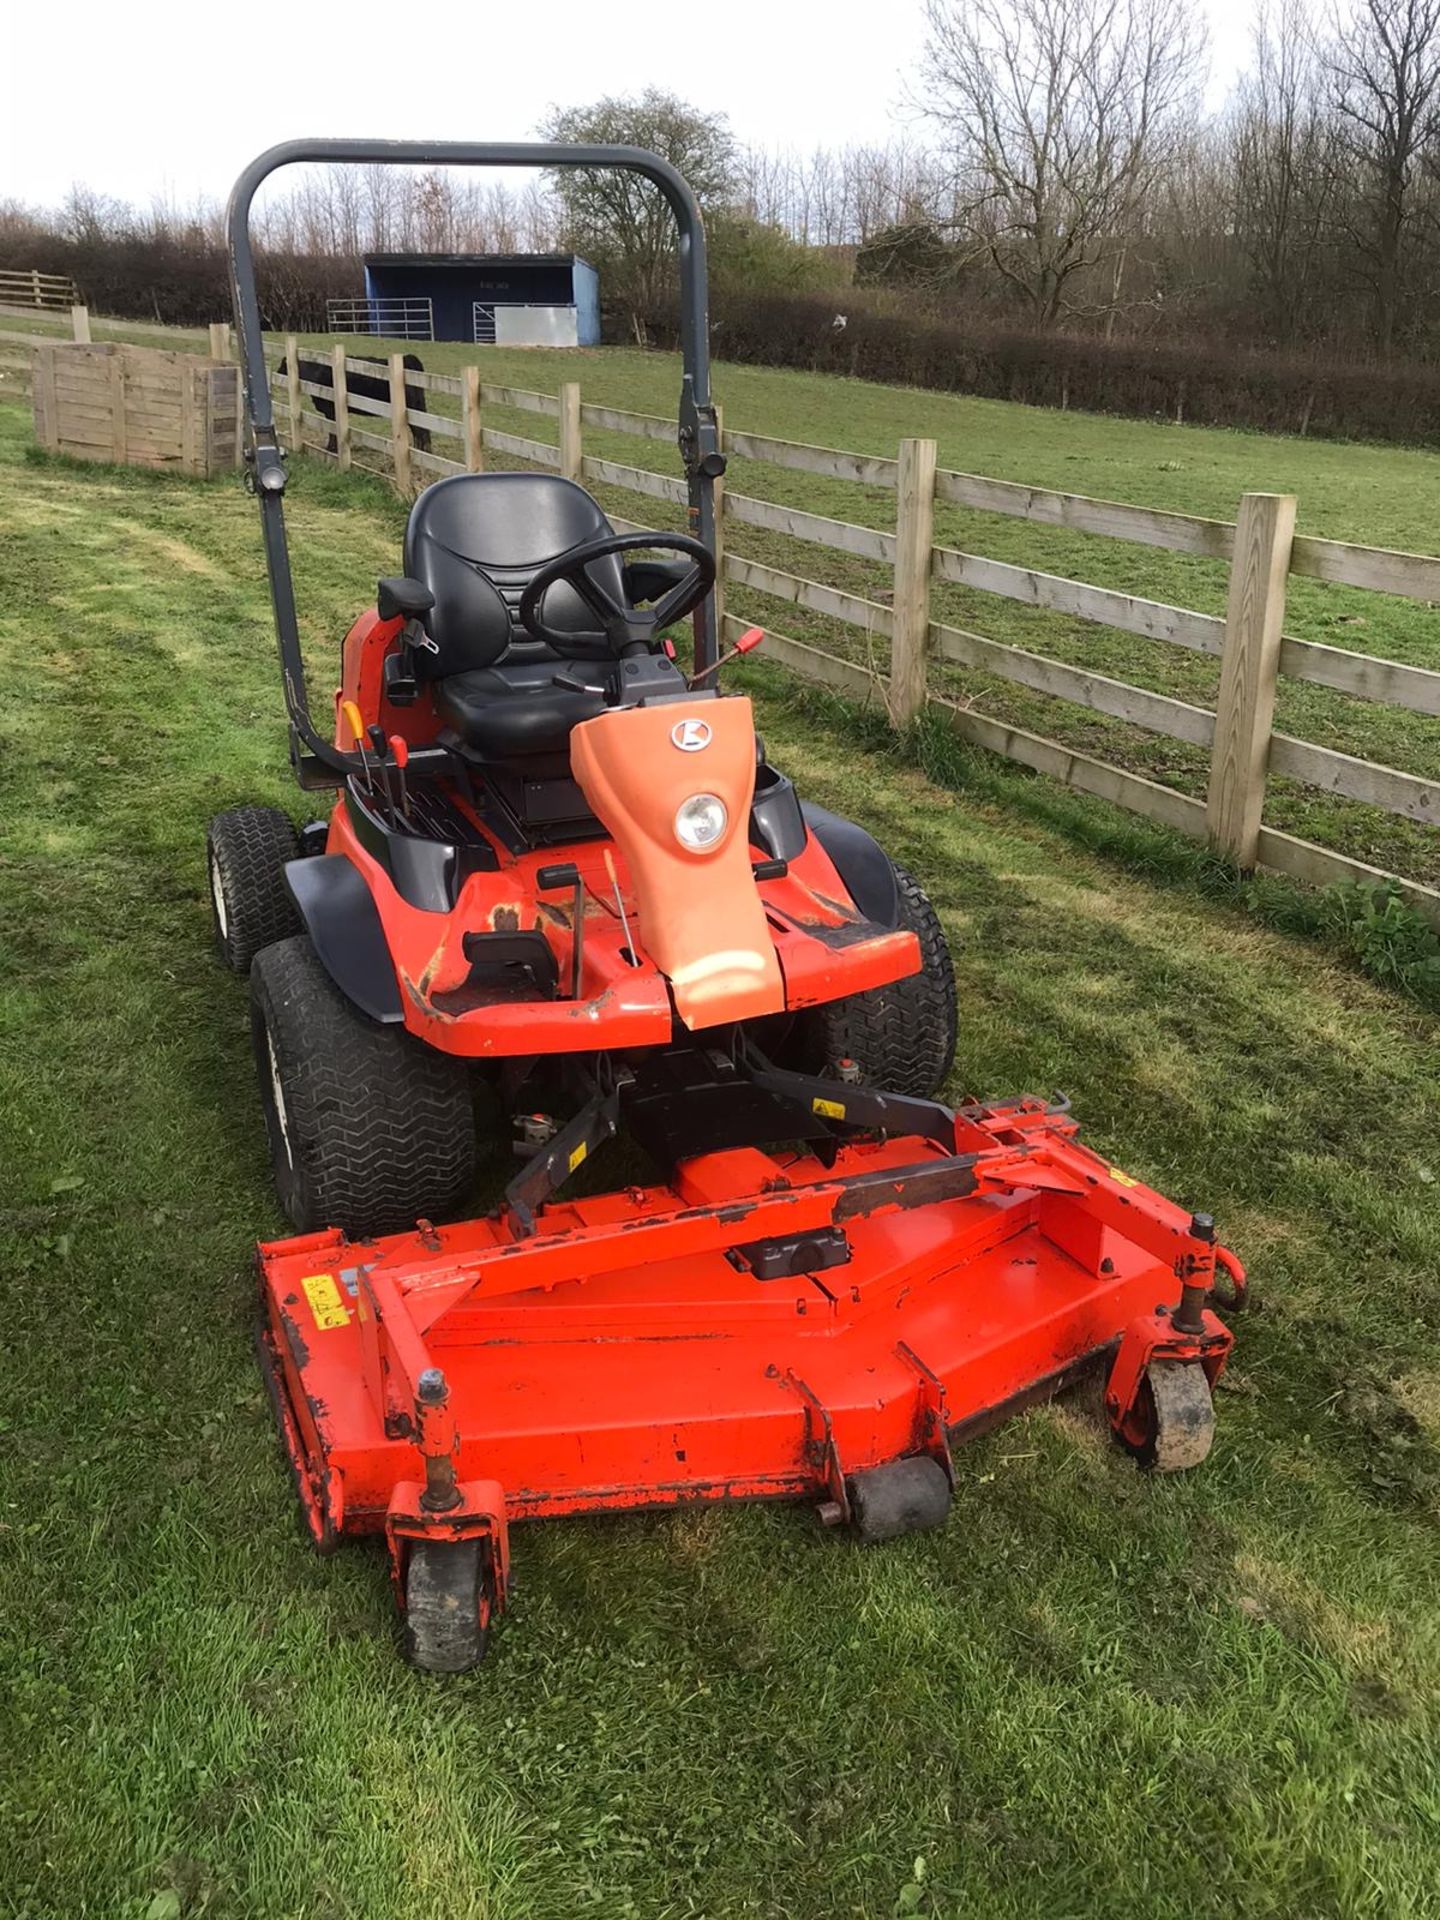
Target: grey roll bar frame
<point>317,761</point>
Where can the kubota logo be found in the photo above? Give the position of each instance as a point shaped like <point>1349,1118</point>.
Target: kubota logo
<point>690,735</point>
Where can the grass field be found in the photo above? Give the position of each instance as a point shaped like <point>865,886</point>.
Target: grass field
<point>1092,1695</point>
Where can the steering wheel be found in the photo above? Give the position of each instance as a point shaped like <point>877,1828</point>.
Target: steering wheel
<point>628,629</point>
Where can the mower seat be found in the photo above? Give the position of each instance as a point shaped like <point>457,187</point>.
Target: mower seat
<point>477,540</point>
<point>510,713</point>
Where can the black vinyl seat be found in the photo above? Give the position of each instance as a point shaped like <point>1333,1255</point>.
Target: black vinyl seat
<point>508,713</point>
<point>477,540</point>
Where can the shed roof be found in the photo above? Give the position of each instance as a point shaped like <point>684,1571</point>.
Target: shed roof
<point>472,259</point>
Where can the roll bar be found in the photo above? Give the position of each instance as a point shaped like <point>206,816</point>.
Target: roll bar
<point>699,446</point>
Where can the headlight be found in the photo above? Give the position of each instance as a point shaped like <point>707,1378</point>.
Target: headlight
<point>700,822</point>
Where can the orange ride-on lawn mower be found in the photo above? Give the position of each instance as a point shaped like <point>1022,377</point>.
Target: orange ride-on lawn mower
<point>558,864</point>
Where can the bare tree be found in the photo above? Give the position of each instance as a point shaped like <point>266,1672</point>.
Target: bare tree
<point>1384,64</point>
<point>1283,169</point>
<point>1058,117</point>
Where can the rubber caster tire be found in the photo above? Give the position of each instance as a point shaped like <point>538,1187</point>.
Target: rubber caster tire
<point>246,851</point>
<point>446,1627</point>
<point>370,1130</point>
<point>900,1036</point>
<point>904,1496</point>
<point>1172,1424</point>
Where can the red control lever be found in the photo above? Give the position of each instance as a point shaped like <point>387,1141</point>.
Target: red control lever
<point>747,643</point>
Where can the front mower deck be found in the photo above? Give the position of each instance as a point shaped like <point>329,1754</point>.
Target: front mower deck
<point>764,1326</point>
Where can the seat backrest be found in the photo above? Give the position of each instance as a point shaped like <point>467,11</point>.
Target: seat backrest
<point>477,540</point>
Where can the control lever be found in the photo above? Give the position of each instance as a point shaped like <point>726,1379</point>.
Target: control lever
<point>747,643</point>
<point>547,880</point>
<point>356,723</point>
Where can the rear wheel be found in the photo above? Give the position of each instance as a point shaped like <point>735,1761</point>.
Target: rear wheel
<point>901,1037</point>
<point>246,851</point>
<point>369,1129</point>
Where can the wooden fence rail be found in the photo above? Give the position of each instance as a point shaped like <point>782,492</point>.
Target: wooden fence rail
<point>1260,548</point>
<point>25,287</point>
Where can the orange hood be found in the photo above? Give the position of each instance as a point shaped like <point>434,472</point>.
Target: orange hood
<point>700,916</point>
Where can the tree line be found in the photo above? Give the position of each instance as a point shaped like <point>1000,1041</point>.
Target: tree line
<point>1057,175</point>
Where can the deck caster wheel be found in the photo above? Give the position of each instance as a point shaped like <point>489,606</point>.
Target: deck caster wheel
<point>1172,1423</point>
<point>246,852</point>
<point>904,1496</point>
<point>447,1605</point>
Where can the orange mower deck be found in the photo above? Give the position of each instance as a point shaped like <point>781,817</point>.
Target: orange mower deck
<point>630,1352</point>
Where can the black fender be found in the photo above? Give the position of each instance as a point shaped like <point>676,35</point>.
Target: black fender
<point>343,923</point>
<point>861,862</point>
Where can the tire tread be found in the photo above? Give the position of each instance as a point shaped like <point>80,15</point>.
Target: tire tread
<point>382,1127</point>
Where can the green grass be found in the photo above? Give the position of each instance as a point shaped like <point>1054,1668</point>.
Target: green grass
<point>1092,1695</point>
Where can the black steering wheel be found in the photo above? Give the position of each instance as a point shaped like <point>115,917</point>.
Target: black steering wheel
<point>628,629</point>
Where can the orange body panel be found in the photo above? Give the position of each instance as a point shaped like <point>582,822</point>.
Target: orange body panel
<point>699,915</point>
<point>362,679</point>
<point>724,948</point>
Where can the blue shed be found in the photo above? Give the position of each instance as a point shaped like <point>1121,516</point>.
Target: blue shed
<point>513,299</point>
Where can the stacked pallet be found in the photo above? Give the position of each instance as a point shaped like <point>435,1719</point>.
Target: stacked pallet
<point>138,406</point>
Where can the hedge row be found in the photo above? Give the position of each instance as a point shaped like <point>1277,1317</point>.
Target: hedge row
<point>1207,383</point>
<point>185,285</point>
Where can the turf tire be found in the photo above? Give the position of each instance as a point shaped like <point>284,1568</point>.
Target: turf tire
<point>250,906</point>
<point>369,1129</point>
<point>901,1036</point>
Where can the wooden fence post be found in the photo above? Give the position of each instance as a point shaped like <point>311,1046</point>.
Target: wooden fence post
<point>399,427</point>
<point>470,413</point>
<point>571,453</point>
<point>219,339</point>
<point>914,539</point>
<point>720,536</point>
<point>1245,711</point>
<point>292,388</point>
<point>342,406</point>
<point>80,326</point>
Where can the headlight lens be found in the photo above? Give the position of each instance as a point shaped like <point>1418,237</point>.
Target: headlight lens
<point>700,822</point>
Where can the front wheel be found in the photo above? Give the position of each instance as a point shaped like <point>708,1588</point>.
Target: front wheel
<point>369,1129</point>
<point>901,1037</point>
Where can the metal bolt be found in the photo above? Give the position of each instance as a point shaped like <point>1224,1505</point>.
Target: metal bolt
<point>430,1387</point>
<point>830,1513</point>
<point>1202,1226</point>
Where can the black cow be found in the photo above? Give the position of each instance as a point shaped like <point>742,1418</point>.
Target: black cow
<point>320,373</point>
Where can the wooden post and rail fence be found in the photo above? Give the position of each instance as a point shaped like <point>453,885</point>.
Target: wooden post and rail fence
<point>904,642</point>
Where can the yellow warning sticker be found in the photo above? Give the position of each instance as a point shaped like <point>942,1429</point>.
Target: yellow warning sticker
<point>1123,1179</point>
<point>325,1302</point>
<point>577,1156</point>
<point>828,1109</point>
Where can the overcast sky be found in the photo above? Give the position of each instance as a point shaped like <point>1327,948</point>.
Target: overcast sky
<point>155,99</point>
